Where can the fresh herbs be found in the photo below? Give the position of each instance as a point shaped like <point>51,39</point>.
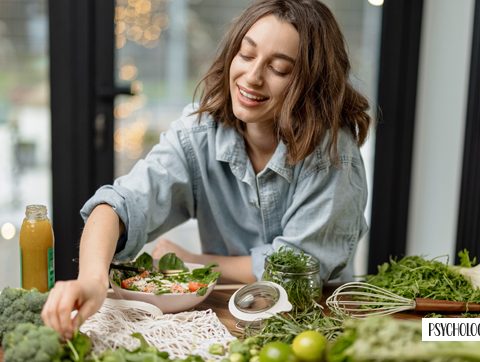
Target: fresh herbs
<point>415,277</point>
<point>289,260</point>
<point>297,273</point>
<point>285,327</point>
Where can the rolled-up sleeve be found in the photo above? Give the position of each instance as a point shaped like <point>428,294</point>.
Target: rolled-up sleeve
<point>154,197</point>
<point>325,218</point>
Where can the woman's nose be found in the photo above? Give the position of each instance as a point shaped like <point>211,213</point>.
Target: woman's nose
<point>254,74</point>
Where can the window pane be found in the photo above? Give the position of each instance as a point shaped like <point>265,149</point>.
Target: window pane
<point>25,176</point>
<point>164,48</point>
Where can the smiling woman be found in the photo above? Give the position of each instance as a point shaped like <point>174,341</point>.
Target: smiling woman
<point>261,71</point>
<point>269,157</point>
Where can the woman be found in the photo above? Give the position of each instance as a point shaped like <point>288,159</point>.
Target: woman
<point>269,157</point>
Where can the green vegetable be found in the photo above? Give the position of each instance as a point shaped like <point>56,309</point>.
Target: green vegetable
<point>237,357</point>
<point>34,343</point>
<point>217,349</point>
<point>78,347</point>
<point>240,351</point>
<point>205,275</point>
<point>30,342</point>
<point>144,353</point>
<point>284,327</point>
<point>468,269</point>
<point>388,339</point>
<point>415,277</point>
<point>20,306</point>
<point>171,261</point>
<point>297,273</point>
<point>144,261</point>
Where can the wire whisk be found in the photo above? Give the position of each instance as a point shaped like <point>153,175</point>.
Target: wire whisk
<point>359,299</point>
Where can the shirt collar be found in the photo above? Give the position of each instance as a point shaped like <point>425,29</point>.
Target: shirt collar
<point>230,147</point>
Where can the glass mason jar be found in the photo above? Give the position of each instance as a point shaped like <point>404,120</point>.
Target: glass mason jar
<point>303,285</point>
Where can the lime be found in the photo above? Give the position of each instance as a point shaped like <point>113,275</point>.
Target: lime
<point>309,346</point>
<point>276,352</point>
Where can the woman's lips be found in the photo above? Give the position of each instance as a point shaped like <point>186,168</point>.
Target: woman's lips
<point>250,98</point>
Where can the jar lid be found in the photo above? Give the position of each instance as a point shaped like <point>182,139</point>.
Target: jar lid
<point>259,300</point>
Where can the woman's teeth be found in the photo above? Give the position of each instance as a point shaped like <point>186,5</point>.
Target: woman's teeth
<point>250,96</point>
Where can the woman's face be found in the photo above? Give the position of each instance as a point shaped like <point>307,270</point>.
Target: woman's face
<point>261,70</point>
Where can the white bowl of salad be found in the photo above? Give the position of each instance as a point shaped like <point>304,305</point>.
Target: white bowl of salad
<point>169,283</point>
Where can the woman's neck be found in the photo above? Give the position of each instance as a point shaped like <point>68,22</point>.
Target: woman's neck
<point>260,143</point>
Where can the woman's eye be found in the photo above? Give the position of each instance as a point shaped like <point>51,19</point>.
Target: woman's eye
<point>245,57</point>
<point>278,72</point>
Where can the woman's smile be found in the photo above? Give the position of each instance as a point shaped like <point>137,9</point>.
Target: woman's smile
<point>261,70</point>
<point>250,98</point>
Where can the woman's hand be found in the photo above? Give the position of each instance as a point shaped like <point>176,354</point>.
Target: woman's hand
<point>165,246</point>
<point>234,269</point>
<point>84,296</point>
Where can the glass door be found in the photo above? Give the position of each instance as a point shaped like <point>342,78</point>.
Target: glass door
<point>25,171</point>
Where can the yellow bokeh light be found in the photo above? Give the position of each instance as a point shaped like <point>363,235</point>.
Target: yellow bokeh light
<point>120,27</point>
<point>8,231</point>
<point>128,72</point>
<point>143,7</point>
<point>129,139</point>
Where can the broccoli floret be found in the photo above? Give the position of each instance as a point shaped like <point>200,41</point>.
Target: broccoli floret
<point>20,306</point>
<point>30,342</point>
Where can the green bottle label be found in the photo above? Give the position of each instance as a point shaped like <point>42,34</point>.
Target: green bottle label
<point>51,268</point>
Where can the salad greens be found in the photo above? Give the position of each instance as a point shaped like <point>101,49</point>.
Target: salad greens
<point>415,277</point>
<point>170,261</point>
<point>150,279</point>
<point>144,261</point>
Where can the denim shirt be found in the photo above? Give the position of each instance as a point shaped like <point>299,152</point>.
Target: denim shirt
<point>201,170</point>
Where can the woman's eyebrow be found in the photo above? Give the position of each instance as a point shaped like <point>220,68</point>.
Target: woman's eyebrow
<point>276,55</point>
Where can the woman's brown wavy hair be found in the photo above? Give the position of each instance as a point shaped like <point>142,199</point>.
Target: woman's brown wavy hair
<point>319,98</point>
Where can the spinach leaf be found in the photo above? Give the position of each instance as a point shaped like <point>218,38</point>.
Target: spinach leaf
<point>205,274</point>
<point>171,261</point>
<point>144,261</point>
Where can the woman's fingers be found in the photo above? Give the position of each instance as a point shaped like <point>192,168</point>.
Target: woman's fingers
<point>57,310</point>
<point>69,296</point>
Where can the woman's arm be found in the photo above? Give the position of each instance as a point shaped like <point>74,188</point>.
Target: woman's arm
<point>87,293</point>
<point>233,269</point>
<point>97,245</point>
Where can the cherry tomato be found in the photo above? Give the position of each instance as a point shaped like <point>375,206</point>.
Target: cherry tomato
<point>309,346</point>
<point>276,352</point>
<point>194,286</point>
<point>127,283</point>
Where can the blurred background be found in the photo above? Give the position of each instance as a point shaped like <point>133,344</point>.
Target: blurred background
<point>87,87</point>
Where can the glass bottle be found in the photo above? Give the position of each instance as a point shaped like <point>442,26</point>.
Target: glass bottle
<point>303,286</point>
<point>37,250</point>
